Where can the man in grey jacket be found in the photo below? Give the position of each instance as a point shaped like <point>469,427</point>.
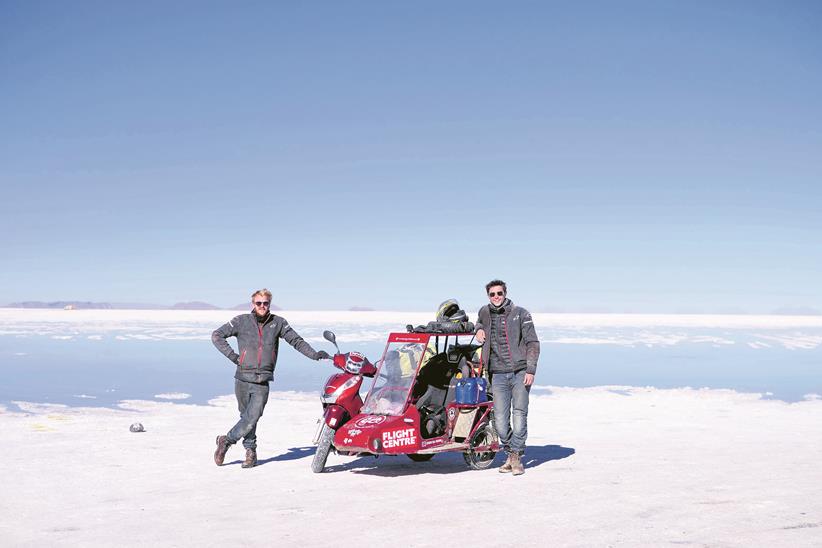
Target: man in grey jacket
<point>510,348</point>
<point>258,341</point>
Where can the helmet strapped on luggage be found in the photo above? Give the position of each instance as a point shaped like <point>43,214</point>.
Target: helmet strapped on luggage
<point>450,311</point>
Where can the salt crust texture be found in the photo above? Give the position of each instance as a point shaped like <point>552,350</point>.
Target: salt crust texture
<point>605,466</point>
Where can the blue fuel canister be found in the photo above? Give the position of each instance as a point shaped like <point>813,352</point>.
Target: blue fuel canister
<point>471,391</point>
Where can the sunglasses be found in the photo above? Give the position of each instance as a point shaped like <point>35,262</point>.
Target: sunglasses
<point>497,294</point>
<point>262,303</point>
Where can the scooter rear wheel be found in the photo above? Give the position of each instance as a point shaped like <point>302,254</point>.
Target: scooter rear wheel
<point>323,448</point>
<point>480,460</point>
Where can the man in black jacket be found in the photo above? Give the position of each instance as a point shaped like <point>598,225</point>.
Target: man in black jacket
<point>258,341</point>
<point>510,347</point>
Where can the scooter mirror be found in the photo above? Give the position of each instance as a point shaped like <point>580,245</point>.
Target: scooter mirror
<point>330,337</point>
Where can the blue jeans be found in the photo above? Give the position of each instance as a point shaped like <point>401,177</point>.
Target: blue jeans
<point>251,399</point>
<point>509,391</point>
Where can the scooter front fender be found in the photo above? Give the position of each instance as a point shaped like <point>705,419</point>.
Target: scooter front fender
<point>335,416</point>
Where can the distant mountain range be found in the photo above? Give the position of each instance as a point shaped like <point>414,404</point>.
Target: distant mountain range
<point>200,305</point>
<point>61,304</point>
<point>88,305</point>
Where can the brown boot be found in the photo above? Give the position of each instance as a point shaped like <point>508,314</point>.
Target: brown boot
<point>250,458</point>
<point>506,467</point>
<point>516,465</point>
<point>222,449</point>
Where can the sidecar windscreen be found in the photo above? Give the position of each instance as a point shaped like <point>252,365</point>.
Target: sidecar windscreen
<point>394,379</point>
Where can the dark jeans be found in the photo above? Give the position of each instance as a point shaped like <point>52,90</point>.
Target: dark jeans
<point>509,392</point>
<point>251,399</point>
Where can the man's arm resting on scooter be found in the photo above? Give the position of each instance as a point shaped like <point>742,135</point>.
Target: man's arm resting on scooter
<point>294,339</point>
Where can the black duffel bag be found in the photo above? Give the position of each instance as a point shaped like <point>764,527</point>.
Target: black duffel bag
<point>442,327</point>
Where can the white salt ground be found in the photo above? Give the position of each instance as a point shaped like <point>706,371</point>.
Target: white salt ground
<point>605,466</point>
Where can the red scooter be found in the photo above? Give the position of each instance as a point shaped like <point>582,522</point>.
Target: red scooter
<point>340,398</point>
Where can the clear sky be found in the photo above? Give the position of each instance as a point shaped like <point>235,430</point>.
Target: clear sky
<point>641,156</point>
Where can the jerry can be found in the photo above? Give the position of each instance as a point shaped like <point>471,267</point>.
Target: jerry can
<point>472,390</point>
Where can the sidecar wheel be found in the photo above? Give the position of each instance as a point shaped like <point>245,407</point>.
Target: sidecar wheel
<point>323,448</point>
<point>480,460</point>
<point>420,457</point>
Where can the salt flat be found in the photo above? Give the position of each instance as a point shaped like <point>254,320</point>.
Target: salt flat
<point>588,329</point>
<point>10,317</point>
<point>605,466</point>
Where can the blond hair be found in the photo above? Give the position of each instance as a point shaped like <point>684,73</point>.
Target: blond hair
<point>263,292</point>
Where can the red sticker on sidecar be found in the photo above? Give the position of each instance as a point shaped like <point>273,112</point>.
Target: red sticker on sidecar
<point>369,421</point>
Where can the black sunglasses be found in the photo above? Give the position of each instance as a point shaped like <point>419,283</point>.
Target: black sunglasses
<point>262,303</point>
<point>497,294</point>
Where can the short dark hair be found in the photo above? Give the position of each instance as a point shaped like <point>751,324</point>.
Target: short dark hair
<point>493,283</point>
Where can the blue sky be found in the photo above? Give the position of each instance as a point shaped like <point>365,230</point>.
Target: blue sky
<point>600,156</point>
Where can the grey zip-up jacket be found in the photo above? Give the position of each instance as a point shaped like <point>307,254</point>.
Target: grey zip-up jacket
<point>258,345</point>
<point>520,336</point>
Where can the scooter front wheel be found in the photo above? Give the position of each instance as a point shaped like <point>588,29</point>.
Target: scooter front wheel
<point>323,448</point>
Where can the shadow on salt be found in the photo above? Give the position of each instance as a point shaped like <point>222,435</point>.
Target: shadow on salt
<point>444,463</point>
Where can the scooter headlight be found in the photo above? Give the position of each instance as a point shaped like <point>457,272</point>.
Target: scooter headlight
<point>332,397</point>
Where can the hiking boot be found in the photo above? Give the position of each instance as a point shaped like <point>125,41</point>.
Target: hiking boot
<point>516,465</point>
<point>250,458</point>
<point>222,449</point>
<point>506,466</point>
